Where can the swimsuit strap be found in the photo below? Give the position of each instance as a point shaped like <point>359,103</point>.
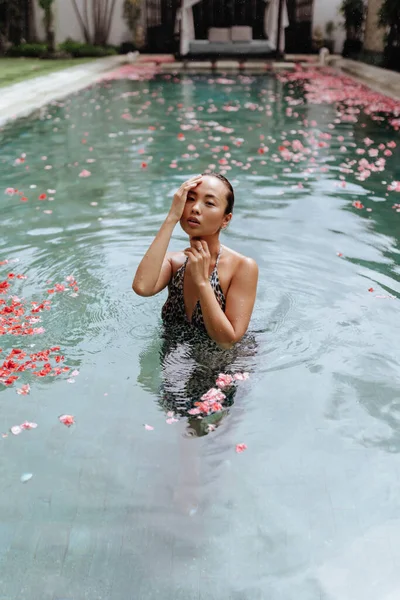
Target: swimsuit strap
<point>219,254</point>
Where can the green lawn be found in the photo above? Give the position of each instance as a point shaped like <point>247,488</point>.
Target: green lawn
<point>13,70</point>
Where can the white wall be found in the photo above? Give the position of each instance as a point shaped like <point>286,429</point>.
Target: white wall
<point>66,24</point>
<point>328,10</point>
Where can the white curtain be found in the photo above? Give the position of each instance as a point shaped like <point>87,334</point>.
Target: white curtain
<point>185,24</point>
<point>271,22</point>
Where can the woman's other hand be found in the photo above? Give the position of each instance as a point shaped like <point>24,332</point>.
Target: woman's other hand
<point>198,261</point>
<point>180,197</point>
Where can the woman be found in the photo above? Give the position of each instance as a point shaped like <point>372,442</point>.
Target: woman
<point>211,287</point>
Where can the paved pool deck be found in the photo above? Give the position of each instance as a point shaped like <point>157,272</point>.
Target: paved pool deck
<point>24,98</point>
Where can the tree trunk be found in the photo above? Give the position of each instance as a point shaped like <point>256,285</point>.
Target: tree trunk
<point>95,16</point>
<point>83,21</point>
<point>48,20</point>
<point>109,21</point>
<point>101,12</point>
<point>32,22</point>
<point>86,20</point>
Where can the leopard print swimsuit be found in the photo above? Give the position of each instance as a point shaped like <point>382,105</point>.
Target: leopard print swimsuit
<point>173,311</point>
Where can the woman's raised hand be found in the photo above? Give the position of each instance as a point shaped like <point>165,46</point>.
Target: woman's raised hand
<point>180,196</point>
<point>199,259</point>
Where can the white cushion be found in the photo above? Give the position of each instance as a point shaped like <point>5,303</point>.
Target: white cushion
<point>219,34</point>
<point>241,34</point>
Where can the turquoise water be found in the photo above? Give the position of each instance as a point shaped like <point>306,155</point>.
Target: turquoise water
<point>116,510</point>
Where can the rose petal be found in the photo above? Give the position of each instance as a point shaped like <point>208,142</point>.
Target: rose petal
<point>28,425</point>
<point>67,420</point>
<point>240,448</point>
<point>241,376</point>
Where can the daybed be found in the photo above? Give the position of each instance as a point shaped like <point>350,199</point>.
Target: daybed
<point>232,41</point>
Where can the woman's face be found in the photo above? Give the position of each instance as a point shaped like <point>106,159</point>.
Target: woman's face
<point>204,212</point>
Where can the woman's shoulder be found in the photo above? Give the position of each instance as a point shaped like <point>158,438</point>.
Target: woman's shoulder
<point>236,259</point>
<point>177,259</point>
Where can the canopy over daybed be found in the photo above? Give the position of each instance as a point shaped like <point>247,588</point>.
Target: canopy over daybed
<point>186,27</point>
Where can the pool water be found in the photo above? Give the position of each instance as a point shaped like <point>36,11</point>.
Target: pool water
<point>123,504</point>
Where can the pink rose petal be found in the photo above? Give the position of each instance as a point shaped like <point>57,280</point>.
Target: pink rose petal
<point>241,376</point>
<point>240,448</point>
<point>28,425</point>
<point>67,420</point>
<point>24,390</point>
<point>213,394</point>
<point>39,330</point>
<point>224,380</point>
<point>149,427</point>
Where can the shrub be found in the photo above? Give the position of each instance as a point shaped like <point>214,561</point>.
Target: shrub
<point>354,12</point>
<point>28,50</point>
<point>126,47</point>
<point>81,50</point>
<point>389,15</point>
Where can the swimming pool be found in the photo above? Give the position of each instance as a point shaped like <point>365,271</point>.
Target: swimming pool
<point>118,510</point>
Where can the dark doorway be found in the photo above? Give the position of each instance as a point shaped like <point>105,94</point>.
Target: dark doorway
<point>160,18</point>
<point>226,13</point>
<point>299,32</point>
<point>16,21</point>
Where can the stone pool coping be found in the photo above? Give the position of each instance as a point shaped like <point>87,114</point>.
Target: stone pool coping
<point>23,98</point>
<point>380,80</point>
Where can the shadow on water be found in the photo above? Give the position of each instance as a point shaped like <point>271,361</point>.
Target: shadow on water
<point>189,363</point>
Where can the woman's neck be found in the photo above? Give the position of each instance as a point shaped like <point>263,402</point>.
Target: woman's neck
<point>214,246</point>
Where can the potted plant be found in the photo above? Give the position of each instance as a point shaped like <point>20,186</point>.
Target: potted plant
<point>389,18</point>
<point>132,12</point>
<point>354,12</point>
<point>329,42</point>
<point>317,39</point>
<point>47,6</point>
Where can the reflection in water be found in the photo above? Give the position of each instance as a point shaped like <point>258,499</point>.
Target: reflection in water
<point>190,363</point>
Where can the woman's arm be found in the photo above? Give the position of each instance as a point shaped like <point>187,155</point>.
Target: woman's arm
<point>155,269</point>
<point>227,328</point>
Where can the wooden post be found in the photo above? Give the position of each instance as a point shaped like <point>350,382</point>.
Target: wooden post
<point>278,35</point>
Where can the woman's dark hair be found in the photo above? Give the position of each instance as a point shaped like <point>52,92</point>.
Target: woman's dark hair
<point>230,196</point>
